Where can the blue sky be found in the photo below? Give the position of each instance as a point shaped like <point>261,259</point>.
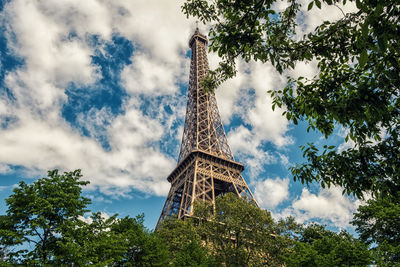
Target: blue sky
<point>101,86</point>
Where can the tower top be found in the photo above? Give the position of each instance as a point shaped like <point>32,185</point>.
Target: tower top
<point>197,36</point>
<point>203,128</point>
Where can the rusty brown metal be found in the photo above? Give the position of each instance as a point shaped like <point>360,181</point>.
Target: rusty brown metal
<point>206,166</point>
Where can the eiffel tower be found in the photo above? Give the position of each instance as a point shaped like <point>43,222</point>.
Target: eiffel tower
<point>206,166</point>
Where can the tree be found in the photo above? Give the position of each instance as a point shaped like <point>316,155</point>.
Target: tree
<point>142,247</point>
<point>357,87</point>
<point>37,214</point>
<point>4,250</point>
<point>110,241</point>
<point>378,223</point>
<point>90,243</point>
<point>184,243</point>
<point>194,255</point>
<point>317,246</point>
<point>47,215</point>
<point>7,238</point>
<point>239,233</point>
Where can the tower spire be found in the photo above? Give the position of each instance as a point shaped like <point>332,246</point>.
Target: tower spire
<point>206,166</point>
<point>203,127</point>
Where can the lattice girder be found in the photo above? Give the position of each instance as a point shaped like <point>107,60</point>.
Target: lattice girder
<point>203,129</point>
<point>202,176</point>
<point>206,166</point>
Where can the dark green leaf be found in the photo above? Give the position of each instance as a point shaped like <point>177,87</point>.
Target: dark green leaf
<point>310,5</point>
<point>362,60</point>
<point>318,3</point>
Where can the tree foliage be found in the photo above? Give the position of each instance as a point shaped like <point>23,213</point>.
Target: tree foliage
<point>45,225</point>
<point>111,242</point>
<point>317,246</point>
<point>141,247</point>
<point>357,87</point>
<point>194,254</point>
<point>178,233</point>
<point>239,233</point>
<point>184,243</point>
<point>47,216</point>
<point>38,213</point>
<point>378,223</point>
<point>92,243</point>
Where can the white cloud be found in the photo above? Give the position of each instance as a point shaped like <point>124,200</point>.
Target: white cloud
<point>131,162</point>
<point>284,160</point>
<point>228,96</point>
<point>157,26</point>
<point>150,76</point>
<point>305,69</point>
<point>7,187</point>
<point>96,121</point>
<point>329,205</point>
<point>247,97</point>
<point>342,132</point>
<point>4,168</point>
<point>89,220</point>
<point>51,60</point>
<point>98,198</point>
<point>271,192</point>
<point>268,125</point>
<point>248,148</point>
<point>53,38</point>
<point>308,20</point>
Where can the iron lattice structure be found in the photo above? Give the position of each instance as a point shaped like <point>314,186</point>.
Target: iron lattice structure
<point>206,167</point>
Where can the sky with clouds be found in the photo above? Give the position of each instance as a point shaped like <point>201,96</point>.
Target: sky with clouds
<point>100,85</point>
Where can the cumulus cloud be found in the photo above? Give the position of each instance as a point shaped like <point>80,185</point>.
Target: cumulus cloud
<point>271,192</point>
<point>249,149</point>
<point>329,206</point>
<point>4,168</point>
<point>228,95</point>
<point>53,40</point>
<point>58,146</point>
<point>89,220</point>
<point>284,160</point>
<point>342,132</point>
<point>149,75</point>
<point>316,16</point>
<point>246,97</point>
<point>7,187</point>
<point>136,147</point>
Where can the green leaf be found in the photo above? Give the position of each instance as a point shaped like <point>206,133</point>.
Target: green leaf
<point>382,42</point>
<point>364,30</point>
<point>363,58</point>
<point>310,5</point>
<point>318,3</point>
<point>358,4</point>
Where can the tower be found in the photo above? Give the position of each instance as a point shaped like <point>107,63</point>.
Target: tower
<point>206,167</point>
